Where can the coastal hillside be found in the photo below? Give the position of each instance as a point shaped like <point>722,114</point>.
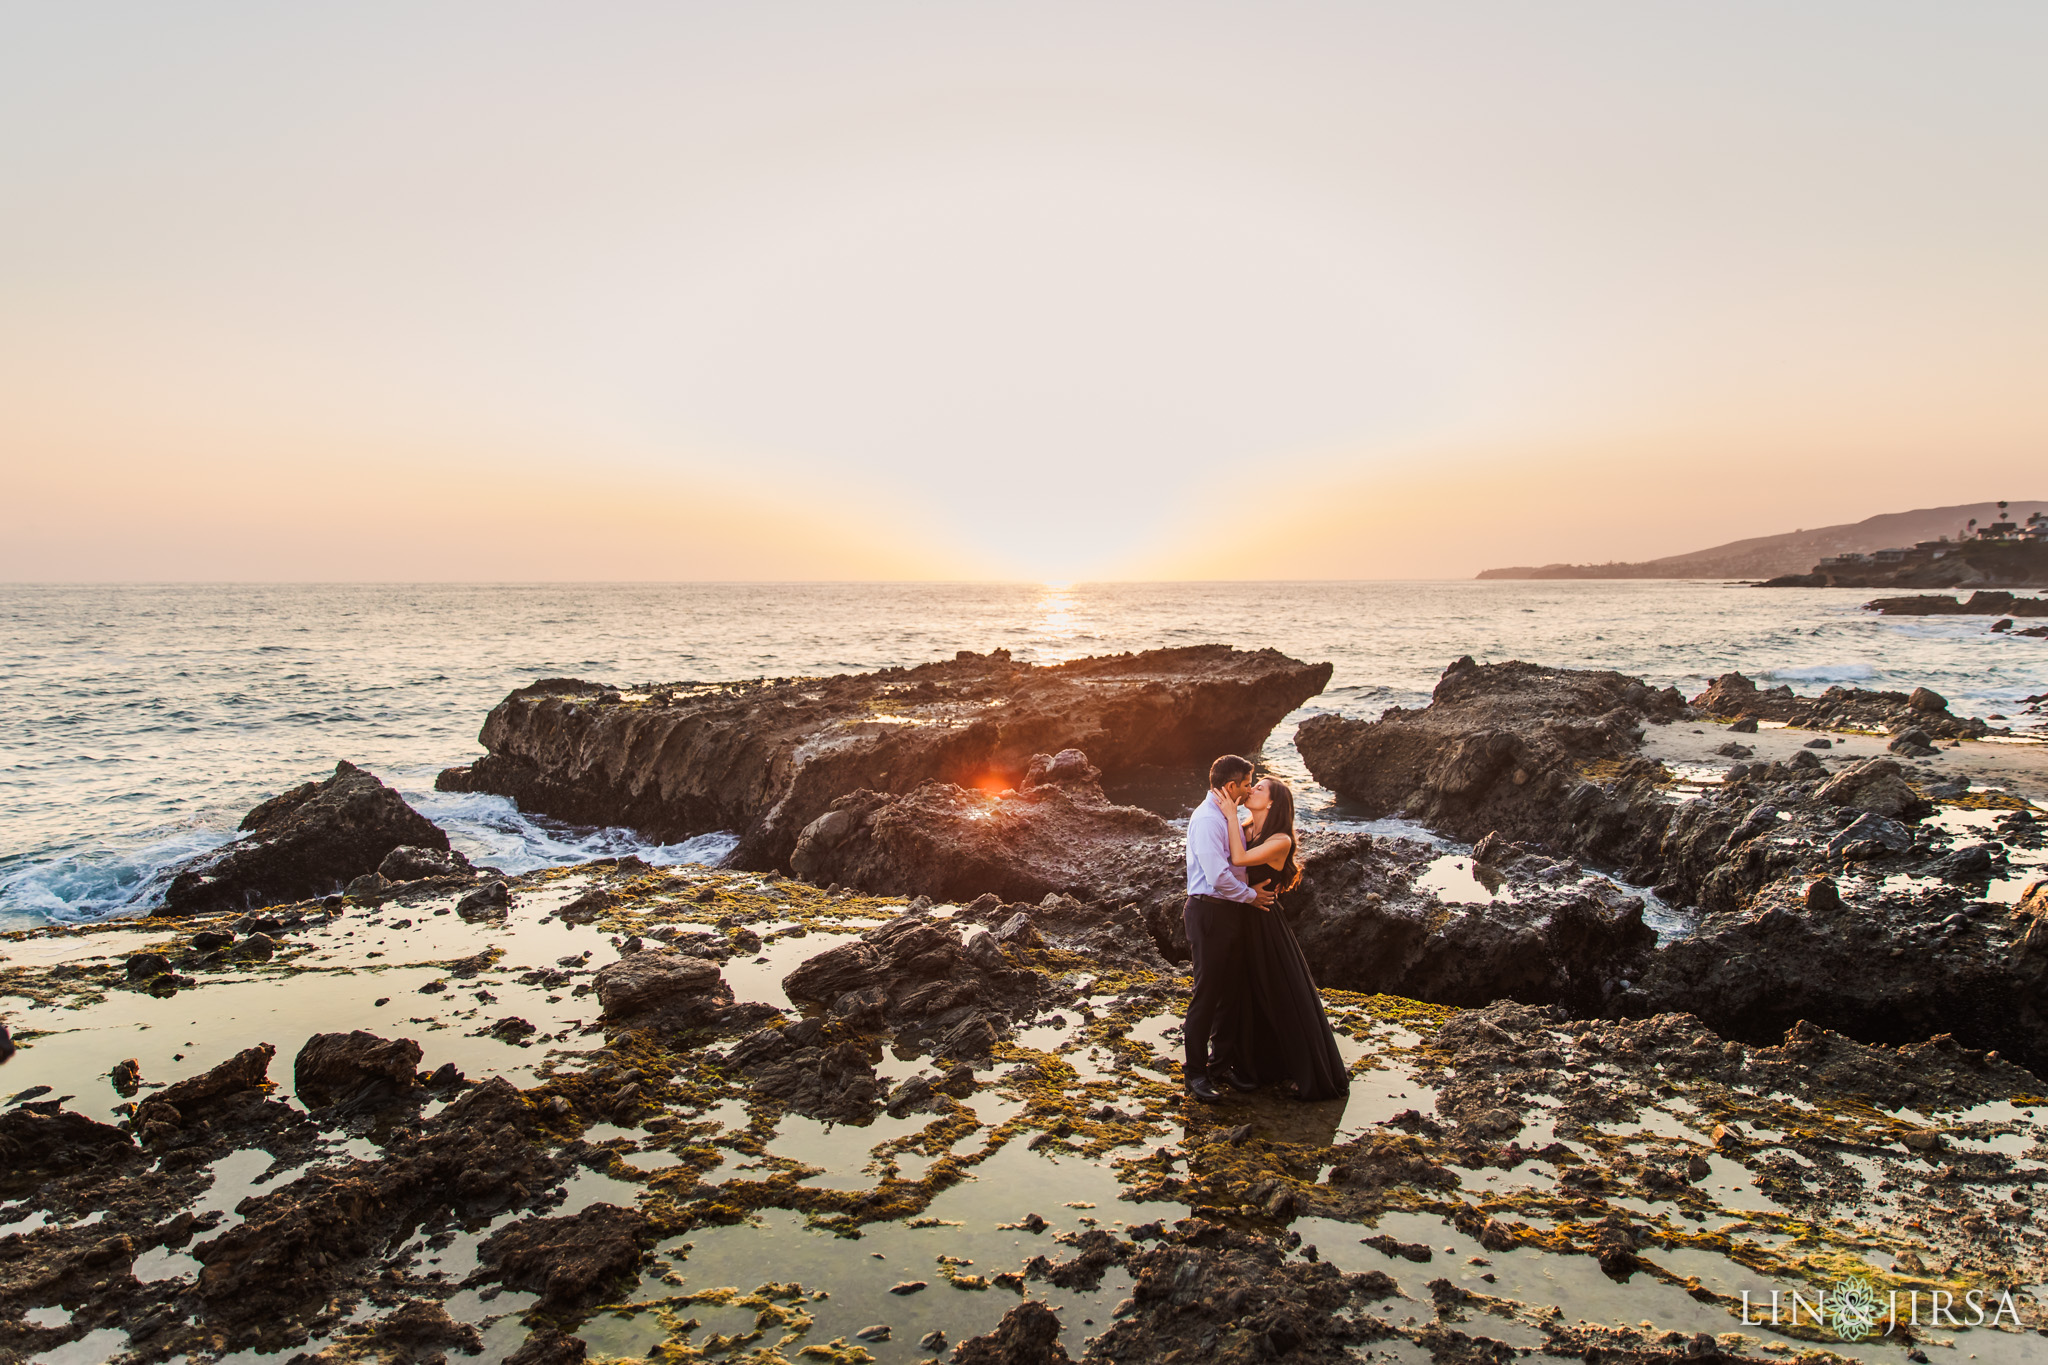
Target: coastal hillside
<point>1794,552</point>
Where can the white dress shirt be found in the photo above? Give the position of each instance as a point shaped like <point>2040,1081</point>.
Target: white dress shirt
<point>1209,869</point>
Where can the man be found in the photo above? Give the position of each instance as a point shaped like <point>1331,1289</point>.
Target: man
<point>1219,900</point>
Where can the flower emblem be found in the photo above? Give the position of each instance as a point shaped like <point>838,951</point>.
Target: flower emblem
<point>1855,1308</point>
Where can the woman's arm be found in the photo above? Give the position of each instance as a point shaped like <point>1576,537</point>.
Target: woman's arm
<point>1235,830</point>
<point>1268,850</point>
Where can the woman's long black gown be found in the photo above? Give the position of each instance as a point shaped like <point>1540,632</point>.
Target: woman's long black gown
<point>1282,1032</point>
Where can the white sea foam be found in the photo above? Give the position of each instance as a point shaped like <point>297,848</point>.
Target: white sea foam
<point>95,883</point>
<point>1844,673</point>
<point>489,830</point>
<point>493,832</point>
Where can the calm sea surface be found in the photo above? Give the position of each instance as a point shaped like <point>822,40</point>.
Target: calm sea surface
<point>138,723</point>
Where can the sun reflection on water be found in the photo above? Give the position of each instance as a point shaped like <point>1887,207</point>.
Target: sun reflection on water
<point>1055,611</point>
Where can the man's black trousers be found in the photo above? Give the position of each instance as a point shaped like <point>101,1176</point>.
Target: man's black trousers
<point>1217,931</point>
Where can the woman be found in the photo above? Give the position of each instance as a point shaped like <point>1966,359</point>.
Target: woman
<point>1282,1033</point>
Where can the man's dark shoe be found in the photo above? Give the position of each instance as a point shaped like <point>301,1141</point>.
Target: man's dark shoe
<point>1201,1089</point>
<point>1236,1081</point>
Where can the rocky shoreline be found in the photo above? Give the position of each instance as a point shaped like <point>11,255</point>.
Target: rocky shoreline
<point>918,1101</point>
<point>765,759</point>
<point>2004,605</point>
<point>1967,564</point>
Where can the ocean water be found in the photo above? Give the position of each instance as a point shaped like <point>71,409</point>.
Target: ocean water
<point>138,723</point>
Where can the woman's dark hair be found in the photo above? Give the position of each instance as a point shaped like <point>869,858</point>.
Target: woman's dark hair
<point>1280,820</point>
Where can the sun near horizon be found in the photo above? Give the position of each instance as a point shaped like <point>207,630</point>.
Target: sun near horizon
<point>1046,293</point>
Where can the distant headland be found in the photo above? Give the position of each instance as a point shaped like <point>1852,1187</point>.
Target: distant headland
<point>1932,547</point>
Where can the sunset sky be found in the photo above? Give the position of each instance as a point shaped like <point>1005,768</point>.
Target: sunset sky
<point>759,290</point>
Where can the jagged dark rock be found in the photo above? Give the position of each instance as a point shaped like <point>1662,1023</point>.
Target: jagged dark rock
<point>1883,969</point>
<point>1535,929</point>
<point>1840,708</point>
<point>546,1346</point>
<point>248,1069</point>
<point>1867,961</point>
<point>916,977</point>
<point>1029,1334</point>
<point>416,1334</point>
<point>568,1261</point>
<point>340,1066</point>
<point>411,864</point>
<point>489,901</point>
<point>1877,785</point>
<point>662,986</point>
<point>33,1142</point>
<point>768,758</point>
<point>307,842</point>
<point>816,1075</point>
<point>474,1159</point>
<point>1055,834</point>
<point>1519,748</point>
<point>1980,604</point>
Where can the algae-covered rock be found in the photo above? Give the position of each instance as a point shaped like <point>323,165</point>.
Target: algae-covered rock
<point>1029,1334</point>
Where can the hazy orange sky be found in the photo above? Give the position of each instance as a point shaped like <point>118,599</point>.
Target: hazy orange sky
<point>766,290</point>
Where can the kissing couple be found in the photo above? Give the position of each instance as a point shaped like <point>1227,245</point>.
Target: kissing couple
<point>1255,1018</point>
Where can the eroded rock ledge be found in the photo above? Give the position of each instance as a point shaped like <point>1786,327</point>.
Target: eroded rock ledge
<point>767,758</point>
<point>1824,892</point>
<point>1515,747</point>
<point>1735,697</point>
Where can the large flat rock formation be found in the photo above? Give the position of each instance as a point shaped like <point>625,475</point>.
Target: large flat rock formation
<point>766,758</point>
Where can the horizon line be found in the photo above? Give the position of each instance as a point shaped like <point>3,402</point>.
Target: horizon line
<point>790,582</point>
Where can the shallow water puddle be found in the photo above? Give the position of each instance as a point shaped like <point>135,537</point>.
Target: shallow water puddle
<point>758,976</point>
<point>587,1187</point>
<point>1964,820</point>
<point>102,1343</point>
<point>47,948</point>
<point>1378,1094</point>
<point>1537,1281</point>
<point>962,1223</point>
<point>1159,1035</point>
<point>1457,880</point>
<point>286,1001</point>
<point>843,1152</point>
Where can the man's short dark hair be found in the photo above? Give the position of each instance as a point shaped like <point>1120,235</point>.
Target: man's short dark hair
<point>1229,768</point>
